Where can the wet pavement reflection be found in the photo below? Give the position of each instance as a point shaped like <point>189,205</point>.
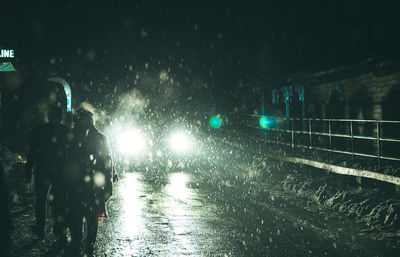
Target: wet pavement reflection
<point>207,213</point>
<point>163,217</point>
<point>228,210</point>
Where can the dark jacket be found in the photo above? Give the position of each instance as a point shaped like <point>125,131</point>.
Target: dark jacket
<point>47,152</point>
<point>89,169</point>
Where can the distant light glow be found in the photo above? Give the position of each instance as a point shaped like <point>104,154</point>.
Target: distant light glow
<point>131,142</point>
<point>180,142</point>
<point>215,121</point>
<point>265,122</point>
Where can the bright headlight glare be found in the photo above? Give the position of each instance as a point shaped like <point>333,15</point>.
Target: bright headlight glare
<point>130,142</point>
<point>180,142</point>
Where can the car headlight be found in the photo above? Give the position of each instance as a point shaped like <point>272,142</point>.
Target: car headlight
<point>180,142</point>
<point>131,142</point>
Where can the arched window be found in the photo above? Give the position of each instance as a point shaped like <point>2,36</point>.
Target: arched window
<point>361,105</point>
<point>335,109</point>
<point>391,105</point>
<point>390,111</point>
<point>360,108</point>
<point>335,104</point>
<point>297,103</point>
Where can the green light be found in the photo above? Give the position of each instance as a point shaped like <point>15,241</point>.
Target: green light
<point>265,122</point>
<point>215,121</point>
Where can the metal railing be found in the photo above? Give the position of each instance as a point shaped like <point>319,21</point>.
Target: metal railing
<point>373,139</point>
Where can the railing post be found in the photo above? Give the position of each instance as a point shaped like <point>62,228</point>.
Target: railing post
<point>330,136</point>
<point>309,132</point>
<point>292,136</point>
<point>352,139</point>
<point>378,142</point>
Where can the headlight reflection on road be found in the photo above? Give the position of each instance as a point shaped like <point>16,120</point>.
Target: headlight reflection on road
<point>181,217</point>
<point>130,191</point>
<point>177,187</point>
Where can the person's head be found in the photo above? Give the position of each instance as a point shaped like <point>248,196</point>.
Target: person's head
<point>84,119</point>
<point>55,114</point>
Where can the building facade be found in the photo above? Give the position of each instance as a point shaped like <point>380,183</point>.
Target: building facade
<point>366,90</point>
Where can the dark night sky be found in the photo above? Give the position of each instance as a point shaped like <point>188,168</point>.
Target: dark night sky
<point>220,41</point>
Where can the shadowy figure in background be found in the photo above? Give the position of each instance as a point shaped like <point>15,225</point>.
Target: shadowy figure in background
<point>47,154</point>
<point>89,174</point>
<point>5,217</point>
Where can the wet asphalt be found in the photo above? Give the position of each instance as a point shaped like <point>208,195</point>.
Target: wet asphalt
<point>218,207</point>
<point>182,216</point>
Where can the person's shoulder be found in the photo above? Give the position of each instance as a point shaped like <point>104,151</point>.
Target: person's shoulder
<point>98,134</point>
<point>101,138</point>
<point>104,137</point>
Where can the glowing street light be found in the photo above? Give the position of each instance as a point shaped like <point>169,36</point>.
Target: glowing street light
<point>265,122</point>
<point>215,121</point>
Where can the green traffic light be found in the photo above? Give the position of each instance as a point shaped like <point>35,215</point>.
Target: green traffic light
<point>265,122</point>
<point>215,121</point>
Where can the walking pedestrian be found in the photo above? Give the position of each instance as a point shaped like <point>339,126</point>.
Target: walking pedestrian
<point>90,174</point>
<point>46,156</point>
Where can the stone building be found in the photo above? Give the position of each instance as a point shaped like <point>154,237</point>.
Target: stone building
<point>366,90</point>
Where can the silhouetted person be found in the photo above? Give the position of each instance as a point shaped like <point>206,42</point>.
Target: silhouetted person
<point>47,155</point>
<point>5,218</point>
<point>89,172</point>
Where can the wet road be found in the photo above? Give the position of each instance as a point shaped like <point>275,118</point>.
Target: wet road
<point>149,218</point>
<point>217,213</point>
<point>222,205</point>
